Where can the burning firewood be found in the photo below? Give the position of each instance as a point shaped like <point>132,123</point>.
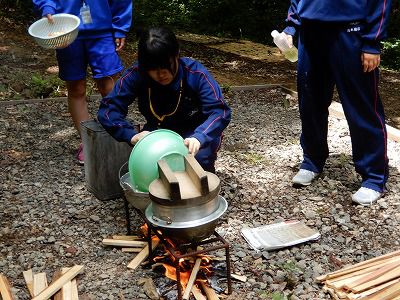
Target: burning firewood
<point>142,256</point>
<point>5,288</point>
<point>192,279</point>
<point>374,279</point>
<point>149,288</point>
<point>210,293</point>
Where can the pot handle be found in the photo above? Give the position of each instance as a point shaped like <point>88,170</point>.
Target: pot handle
<point>163,218</point>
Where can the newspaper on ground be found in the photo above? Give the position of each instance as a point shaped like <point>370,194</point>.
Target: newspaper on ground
<point>279,235</point>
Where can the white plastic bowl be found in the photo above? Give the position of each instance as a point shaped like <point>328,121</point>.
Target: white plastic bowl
<point>57,35</point>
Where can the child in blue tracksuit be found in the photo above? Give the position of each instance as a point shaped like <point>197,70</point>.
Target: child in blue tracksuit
<point>339,44</point>
<point>104,25</point>
<point>173,92</point>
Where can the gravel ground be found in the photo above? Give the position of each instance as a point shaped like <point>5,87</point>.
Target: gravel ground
<point>48,218</point>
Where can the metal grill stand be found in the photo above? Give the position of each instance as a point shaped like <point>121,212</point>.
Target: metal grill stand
<point>209,244</point>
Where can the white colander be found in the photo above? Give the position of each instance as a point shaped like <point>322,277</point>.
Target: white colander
<point>57,35</point>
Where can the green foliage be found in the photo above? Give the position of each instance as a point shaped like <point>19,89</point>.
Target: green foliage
<point>43,87</point>
<point>391,54</point>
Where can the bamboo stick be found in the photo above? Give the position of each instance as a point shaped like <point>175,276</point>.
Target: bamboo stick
<point>192,279</point>
<point>5,288</point>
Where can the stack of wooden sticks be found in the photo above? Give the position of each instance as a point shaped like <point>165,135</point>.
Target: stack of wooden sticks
<point>374,279</point>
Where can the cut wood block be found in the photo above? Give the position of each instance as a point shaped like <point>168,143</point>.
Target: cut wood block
<point>28,276</point>
<point>58,284</point>
<point>39,283</point>
<point>210,293</point>
<point>192,279</point>
<point>5,288</point>
<point>373,275</point>
<point>357,266</point>
<point>131,250</point>
<point>124,243</point>
<point>142,256</point>
<point>395,273</point>
<point>126,237</point>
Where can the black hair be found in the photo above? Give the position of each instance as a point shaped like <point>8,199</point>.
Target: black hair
<point>157,49</point>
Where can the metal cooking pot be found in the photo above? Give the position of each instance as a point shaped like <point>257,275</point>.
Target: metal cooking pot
<point>192,230</point>
<point>138,199</point>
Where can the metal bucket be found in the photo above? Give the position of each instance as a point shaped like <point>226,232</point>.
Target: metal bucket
<point>137,199</point>
<point>103,158</point>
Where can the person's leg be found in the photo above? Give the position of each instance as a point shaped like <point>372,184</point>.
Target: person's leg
<point>315,89</point>
<point>105,63</point>
<point>77,104</point>
<point>363,109</point>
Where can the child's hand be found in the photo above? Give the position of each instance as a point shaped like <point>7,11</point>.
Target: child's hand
<point>139,136</point>
<point>193,145</point>
<point>289,39</point>
<point>119,44</point>
<point>50,18</point>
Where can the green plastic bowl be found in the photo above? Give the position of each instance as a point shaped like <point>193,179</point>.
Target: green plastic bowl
<point>158,144</point>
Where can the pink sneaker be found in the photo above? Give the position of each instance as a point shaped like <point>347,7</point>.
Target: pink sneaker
<point>79,155</point>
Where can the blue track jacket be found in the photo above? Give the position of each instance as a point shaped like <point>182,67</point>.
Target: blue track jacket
<point>200,111</point>
<point>110,17</point>
<point>374,14</point>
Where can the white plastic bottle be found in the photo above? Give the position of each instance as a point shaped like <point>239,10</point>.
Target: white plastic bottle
<point>281,42</point>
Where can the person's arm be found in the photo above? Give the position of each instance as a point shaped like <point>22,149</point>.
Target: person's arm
<point>114,107</point>
<point>122,19</point>
<point>293,20</point>
<point>375,29</point>
<point>213,106</point>
<point>45,7</point>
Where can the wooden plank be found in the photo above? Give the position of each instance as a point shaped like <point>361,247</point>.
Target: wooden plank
<point>197,293</point>
<point>336,110</point>
<point>126,237</point>
<point>197,174</point>
<point>357,266</point>
<point>122,243</point>
<point>395,273</point>
<point>371,291</point>
<point>39,283</point>
<point>210,293</point>
<point>58,284</point>
<point>74,290</point>
<point>5,288</point>
<point>131,250</point>
<point>192,279</point>
<point>142,256</point>
<point>373,275</point>
<point>28,276</point>
<point>387,293</point>
<point>169,180</point>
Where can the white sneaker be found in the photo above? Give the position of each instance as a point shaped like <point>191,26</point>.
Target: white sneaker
<point>366,196</point>
<point>304,177</point>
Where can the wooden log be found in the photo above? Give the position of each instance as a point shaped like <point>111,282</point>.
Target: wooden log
<point>58,284</point>
<point>373,275</point>
<point>28,276</point>
<point>5,288</point>
<point>126,237</point>
<point>197,293</point>
<point>192,279</point>
<point>395,273</point>
<point>39,283</point>
<point>210,293</point>
<point>358,266</point>
<point>142,256</point>
<point>131,250</point>
<point>124,243</point>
